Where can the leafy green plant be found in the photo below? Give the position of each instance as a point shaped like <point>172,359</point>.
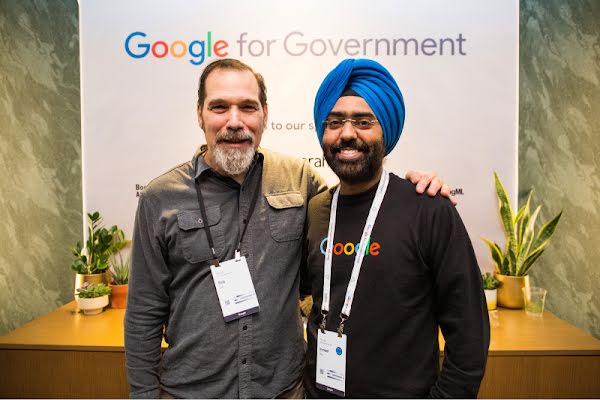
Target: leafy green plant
<point>89,291</point>
<point>120,270</point>
<point>101,244</point>
<point>523,245</point>
<point>489,282</point>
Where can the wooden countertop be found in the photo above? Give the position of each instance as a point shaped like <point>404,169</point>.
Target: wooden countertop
<point>67,329</point>
<point>513,332</point>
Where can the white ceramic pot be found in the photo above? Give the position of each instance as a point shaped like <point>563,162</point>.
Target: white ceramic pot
<point>491,296</point>
<point>92,306</point>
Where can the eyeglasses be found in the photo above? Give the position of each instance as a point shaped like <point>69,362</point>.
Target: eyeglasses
<point>363,123</point>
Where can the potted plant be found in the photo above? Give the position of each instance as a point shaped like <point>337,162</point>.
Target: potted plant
<point>119,282</point>
<point>490,284</point>
<point>523,247</point>
<point>92,260</point>
<point>92,297</point>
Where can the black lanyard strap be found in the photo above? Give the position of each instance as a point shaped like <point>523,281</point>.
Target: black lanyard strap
<point>211,243</point>
<point>247,219</point>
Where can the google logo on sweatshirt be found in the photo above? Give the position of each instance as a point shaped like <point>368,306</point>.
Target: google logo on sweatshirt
<point>137,46</point>
<point>350,248</point>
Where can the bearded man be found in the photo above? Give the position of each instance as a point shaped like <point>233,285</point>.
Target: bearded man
<point>217,249</point>
<point>388,267</point>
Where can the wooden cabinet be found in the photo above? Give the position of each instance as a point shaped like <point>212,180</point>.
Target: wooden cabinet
<point>539,357</point>
<point>68,355</point>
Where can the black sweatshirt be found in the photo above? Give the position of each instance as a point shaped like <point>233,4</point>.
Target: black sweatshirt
<point>420,273</point>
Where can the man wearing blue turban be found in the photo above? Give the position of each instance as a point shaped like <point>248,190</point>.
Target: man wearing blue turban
<point>371,81</point>
<point>387,267</point>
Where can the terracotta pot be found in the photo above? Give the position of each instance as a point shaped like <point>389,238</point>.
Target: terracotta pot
<point>92,306</point>
<point>91,278</point>
<point>510,292</point>
<point>118,297</point>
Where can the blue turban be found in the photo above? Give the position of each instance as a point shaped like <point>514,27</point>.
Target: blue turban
<point>371,81</point>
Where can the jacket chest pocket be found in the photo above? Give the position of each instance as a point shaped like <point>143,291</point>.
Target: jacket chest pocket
<point>286,216</point>
<point>192,231</point>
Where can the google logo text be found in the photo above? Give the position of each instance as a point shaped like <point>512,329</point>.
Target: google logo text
<point>350,248</point>
<point>137,46</point>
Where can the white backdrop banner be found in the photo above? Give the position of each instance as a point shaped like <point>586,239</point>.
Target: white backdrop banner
<point>455,62</point>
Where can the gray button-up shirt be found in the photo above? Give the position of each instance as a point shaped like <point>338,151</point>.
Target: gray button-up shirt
<point>171,286</point>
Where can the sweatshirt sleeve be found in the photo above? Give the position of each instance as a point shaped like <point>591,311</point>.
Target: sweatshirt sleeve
<point>147,303</point>
<point>460,305</point>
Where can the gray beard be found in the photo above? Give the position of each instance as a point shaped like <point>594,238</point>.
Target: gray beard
<point>233,161</point>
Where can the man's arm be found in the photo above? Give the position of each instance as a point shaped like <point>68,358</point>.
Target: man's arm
<point>147,305</point>
<point>460,305</point>
<point>316,185</point>
<point>430,181</point>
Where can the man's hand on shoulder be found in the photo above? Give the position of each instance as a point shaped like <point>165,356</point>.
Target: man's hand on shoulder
<point>430,181</point>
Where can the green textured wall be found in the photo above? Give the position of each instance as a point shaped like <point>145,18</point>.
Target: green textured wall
<point>40,213</point>
<point>40,202</point>
<point>559,148</point>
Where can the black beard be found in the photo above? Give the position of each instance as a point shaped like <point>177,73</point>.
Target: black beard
<point>360,170</point>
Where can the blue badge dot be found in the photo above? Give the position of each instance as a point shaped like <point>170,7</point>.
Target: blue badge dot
<point>338,350</point>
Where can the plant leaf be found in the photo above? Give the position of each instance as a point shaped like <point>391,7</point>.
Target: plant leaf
<point>541,241</point>
<point>505,266</point>
<point>527,240</point>
<point>512,262</point>
<point>506,216</point>
<point>522,209</point>
<point>547,231</point>
<point>522,222</point>
<point>496,254</point>
<point>531,259</point>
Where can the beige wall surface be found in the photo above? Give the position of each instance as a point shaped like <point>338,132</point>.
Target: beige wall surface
<point>40,205</point>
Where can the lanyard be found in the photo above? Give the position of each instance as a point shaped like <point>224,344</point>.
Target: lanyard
<point>207,228</point>
<point>360,253</point>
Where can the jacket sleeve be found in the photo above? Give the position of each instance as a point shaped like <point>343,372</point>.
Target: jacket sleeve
<point>315,182</point>
<point>147,303</point>
<point>460,305</point>
<point>315,185</point>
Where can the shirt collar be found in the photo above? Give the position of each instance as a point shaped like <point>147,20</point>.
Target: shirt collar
<point>198,161</point>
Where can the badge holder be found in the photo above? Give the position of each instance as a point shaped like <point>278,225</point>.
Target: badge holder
<point>235,290</point>
<point>331,358</point>
<point>331,346</point>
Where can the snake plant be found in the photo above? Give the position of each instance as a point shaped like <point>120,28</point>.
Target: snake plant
<point>523,245</point>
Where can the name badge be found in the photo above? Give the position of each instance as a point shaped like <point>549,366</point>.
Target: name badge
<point>235,289</point>
<point>331,362</point>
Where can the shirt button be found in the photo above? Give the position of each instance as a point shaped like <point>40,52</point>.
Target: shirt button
<point>245,327</point>
<point>244,361</point>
